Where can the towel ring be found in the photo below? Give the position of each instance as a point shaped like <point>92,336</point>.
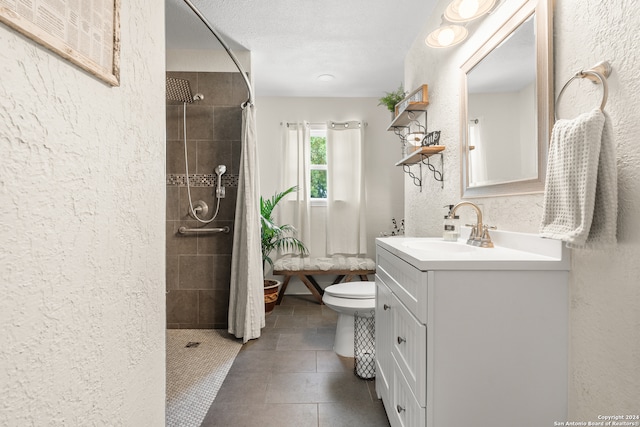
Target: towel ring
<point>591,74</point>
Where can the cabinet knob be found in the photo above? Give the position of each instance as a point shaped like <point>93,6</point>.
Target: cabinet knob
<point>386,307</point>
<point>401,340</point>
<point>399,408</point>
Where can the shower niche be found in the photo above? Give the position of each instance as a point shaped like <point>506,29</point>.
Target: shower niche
<point>198,265</point>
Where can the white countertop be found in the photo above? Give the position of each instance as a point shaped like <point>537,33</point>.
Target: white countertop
<point>512,251</point>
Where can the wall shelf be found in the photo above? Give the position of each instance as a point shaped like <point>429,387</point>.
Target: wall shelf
<point>403,119</point>
<point>420,154</point>
<point>406,122</point>
<point>421,157</point>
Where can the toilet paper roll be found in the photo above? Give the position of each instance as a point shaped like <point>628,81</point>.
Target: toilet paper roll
<point>365,365</point>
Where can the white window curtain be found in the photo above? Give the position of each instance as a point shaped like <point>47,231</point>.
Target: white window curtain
<point>477,154</point>
<point>345,189</point>
<point>295,208</point>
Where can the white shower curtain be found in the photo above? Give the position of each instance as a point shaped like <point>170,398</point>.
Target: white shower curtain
<point>295,209</point>
<point>246,297</point>
<point>345,190</point>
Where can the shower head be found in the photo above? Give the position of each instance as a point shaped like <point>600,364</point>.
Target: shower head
<point>179,90</point>
<point>219,170</point>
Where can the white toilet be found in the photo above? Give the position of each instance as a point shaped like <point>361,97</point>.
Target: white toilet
<point>347,299</point>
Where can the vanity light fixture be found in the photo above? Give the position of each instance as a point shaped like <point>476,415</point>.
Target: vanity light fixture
<point>450,33</point>
<point>446,36</point>
<point>467,10</point>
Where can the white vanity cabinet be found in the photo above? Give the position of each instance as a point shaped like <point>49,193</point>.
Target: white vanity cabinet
<point>463,341</point>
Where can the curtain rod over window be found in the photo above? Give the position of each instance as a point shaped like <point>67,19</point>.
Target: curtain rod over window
<point>332,124</point>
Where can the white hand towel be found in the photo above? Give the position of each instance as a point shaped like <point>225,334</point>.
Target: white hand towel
<point>581,192</point>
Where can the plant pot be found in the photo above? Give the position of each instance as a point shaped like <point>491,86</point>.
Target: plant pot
<point>271,287</point>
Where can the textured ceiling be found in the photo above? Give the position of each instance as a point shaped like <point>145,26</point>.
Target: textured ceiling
<point>361,42</point>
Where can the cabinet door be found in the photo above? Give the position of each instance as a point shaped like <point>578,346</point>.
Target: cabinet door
<point>405,411</point>
<point>410,349</point>
<point>384,362</point>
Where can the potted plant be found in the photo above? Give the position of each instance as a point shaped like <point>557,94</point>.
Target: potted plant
<point>392,98</point>
<point>275,237</point>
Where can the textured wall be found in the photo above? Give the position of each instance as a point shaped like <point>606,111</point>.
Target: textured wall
<point>605,321</point>
<point>82,233</point>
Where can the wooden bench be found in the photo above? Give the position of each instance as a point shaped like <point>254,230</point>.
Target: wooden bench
<point>344,268</point>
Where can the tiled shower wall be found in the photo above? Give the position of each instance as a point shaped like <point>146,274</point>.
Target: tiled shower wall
<point>199,265</point>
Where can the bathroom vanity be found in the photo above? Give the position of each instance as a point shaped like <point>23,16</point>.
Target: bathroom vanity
<point>469,336</point>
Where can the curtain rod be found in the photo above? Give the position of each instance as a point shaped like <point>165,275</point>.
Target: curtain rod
<point>226,47</point>
<point>333,124</point>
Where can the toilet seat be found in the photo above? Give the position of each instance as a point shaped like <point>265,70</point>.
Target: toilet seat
<point>352,290</point>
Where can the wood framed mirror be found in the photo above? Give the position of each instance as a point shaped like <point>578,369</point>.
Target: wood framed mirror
<point>506,106</point>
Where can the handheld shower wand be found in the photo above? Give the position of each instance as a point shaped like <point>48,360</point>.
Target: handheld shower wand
<point>220,190</point>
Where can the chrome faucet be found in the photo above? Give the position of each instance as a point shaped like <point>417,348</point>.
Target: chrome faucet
<point>479,235</point>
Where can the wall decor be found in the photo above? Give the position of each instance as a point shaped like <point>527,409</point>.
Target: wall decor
<point>432,138</point>
<point>84,33</point>
<point>416,100</point>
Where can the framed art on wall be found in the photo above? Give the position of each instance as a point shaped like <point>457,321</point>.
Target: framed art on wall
<point>86,33</point>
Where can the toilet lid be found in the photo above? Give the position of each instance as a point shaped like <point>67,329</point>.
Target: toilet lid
<point>352,290</point>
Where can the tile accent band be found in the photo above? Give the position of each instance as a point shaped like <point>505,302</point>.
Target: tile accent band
<point>201,180</point>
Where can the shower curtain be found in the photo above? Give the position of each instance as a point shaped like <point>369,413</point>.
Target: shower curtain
<point>246,297</point>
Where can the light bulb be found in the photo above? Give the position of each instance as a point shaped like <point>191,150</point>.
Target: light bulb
<point>468,8</point>
<point>446,36</point>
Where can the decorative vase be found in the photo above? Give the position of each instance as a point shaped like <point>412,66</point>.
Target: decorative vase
<point>271,287</point>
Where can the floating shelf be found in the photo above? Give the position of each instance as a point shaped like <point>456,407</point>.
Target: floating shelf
<point>421,153</point>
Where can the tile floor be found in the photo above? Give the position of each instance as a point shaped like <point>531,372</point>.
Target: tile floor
<point>290,376</point>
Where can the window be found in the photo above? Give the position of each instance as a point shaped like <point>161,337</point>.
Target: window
<point>318,167</point>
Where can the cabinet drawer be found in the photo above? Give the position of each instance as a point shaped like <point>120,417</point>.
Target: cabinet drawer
<point>405,410</point>
<point>408,283</point>
<point>410,349</point>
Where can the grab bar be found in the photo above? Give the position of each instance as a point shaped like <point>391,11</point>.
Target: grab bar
<point>185,230</point>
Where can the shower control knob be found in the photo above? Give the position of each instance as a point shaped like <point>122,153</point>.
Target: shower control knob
<point>200,208</point>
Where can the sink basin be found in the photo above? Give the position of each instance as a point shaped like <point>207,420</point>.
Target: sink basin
<point>512,251</point>
<point>439,246</point>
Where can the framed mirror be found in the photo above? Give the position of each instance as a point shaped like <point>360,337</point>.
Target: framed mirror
<point>506,107</point>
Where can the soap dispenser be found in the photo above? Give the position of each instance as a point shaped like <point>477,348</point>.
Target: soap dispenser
<point>451,231</point>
